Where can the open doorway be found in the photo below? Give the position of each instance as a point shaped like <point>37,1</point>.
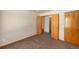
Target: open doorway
<point>46,24</point>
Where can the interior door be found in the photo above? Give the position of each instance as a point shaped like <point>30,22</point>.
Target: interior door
<point>71,28</point>
<point>55,26</point>
<point>39,24</point>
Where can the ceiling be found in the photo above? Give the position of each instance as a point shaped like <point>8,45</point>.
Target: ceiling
<point>41,11</point>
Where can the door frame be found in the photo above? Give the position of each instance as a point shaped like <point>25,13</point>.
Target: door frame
<point>50,20</point>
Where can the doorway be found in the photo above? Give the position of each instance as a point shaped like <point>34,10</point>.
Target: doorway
<point>48,24</point>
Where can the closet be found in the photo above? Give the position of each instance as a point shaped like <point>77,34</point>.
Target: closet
<point>71,28</point>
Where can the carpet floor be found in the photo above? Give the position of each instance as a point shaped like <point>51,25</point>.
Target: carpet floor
<point>43,41</point>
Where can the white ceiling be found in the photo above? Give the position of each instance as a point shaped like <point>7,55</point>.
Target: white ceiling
<point>41,11</point>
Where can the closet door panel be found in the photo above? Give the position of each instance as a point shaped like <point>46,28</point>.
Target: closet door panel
<point>71,30</point>
<point>39,24</point>
<point>55,26</point>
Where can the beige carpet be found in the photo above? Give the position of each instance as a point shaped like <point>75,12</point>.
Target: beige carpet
<point>43,41</point>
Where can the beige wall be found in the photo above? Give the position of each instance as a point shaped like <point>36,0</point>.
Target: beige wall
<point>17,25</point>
<point>0,27</point>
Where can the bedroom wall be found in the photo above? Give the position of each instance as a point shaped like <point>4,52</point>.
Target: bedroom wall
<point>0,28</point>
<point>17,25</point>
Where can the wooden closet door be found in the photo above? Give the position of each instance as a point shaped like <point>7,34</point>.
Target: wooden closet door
<point>68,26</point>
<point>71,29</point>
<point>55,26</point>
<point>39,24</point>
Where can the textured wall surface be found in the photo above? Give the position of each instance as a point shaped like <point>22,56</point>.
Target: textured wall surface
<point>17,25</point>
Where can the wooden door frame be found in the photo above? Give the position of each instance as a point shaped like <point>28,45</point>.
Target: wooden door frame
<point>50,20</point>
<point>58,26</point>
<point>41,24</point>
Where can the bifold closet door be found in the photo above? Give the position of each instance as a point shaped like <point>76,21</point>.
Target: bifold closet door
<point>39,24</point>
<point>55,26</point>
<point>71,28</point>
